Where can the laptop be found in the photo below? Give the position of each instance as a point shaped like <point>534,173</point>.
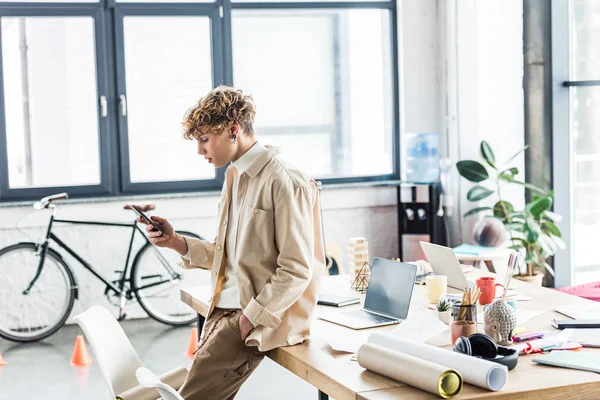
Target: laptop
<point>443,261</point>
<point>387,300</point>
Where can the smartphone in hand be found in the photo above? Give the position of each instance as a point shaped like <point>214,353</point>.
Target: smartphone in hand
<point>146,218</point>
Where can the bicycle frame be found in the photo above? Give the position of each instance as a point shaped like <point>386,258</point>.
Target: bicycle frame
<point>119,290</point>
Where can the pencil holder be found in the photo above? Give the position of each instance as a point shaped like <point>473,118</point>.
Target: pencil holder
<point>465,312</point>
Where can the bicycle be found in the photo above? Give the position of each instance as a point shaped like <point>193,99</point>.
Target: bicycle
<point>38,287</point>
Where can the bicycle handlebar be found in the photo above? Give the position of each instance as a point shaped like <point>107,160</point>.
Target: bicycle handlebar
<point>46,201</point>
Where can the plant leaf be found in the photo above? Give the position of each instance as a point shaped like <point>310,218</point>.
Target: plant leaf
<point>548,268</point>
<point>550,227</point>
<point>509,174</point>
<point>547,245</point>
<point>559,242</point>
<point>520,240</point>
<point>499,208</point>
<point>553,216</point>
<point>476,210</point>
<point>532,230</point>
<point>530,257</point>
<point>488,154</point>
<point>516,154</point>
<point>478,193</point>
<point>539,206</point>
<point>472,171</point>
<point>515,226</point>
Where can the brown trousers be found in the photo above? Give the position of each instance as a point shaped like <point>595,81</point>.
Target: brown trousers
<point>223,362</point>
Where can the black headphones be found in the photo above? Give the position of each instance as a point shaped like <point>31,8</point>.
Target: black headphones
<point>482,346</point>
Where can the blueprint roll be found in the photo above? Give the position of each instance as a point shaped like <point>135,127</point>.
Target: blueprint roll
<point>413,371</point>
<point>476,371</point>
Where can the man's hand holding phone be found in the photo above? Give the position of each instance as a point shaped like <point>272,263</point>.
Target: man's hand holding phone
<point>166,236</point>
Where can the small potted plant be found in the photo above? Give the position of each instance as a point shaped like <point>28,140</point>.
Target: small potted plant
<point>444,310</point>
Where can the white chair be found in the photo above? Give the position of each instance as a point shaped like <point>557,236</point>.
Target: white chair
<point>148,379</point>
<point>116,357</point>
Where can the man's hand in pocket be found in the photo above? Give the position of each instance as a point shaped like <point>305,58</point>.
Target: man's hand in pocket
<point>245,327</point>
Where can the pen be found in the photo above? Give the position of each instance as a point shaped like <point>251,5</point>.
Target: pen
<point>528,336</point>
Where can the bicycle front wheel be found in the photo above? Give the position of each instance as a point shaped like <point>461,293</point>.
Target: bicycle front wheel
<point>156,280</point>
<point>35,301</point>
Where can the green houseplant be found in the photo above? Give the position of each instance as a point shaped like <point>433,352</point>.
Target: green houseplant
<point>532,230</point>
<point>444,310</point>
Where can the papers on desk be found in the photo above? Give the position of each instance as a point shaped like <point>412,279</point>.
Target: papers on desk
<point>579,312</point>
<point>420,326</point>
<point>349,343</point>
<point>587,337</point>
<point>522,316</point>
<point>511,294</point>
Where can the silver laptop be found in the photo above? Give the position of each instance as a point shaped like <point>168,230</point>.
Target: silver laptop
<point>443,261</point>
<point>387,300</point>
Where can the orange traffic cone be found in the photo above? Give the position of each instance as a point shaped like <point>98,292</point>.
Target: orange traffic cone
<point>80,353</point>
<point>2,362</point>
<point>193,343</point>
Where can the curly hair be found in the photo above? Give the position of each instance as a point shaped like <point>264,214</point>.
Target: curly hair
<point>218,110</point>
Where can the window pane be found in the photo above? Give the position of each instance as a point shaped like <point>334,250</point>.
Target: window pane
<point>585,125</point>
<point>49,1</point>
<point>585,40</point>
<point>50,101</point>
<point>167,69</point>
<point>321,80</point>
<point>300,1</point>
<point>165,1</point>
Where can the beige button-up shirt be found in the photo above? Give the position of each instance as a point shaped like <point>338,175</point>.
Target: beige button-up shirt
<point>281,259</point>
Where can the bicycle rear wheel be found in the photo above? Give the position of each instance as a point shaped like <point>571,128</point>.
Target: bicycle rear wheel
<point>27,316</point>
<point>156,280</point>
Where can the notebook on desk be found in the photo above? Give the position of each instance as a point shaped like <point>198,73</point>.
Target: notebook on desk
<point>587,337</point>
<point>336,300</point>
<point>586,361</point>
<point>579,312</point>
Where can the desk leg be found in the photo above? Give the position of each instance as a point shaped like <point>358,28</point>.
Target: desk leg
<point>323,396</point>
<point>490,265</point>
<point>200,324</point>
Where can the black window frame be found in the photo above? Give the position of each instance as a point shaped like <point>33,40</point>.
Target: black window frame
<point>113,141</point>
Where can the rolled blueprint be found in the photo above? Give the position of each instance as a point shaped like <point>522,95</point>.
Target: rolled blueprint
<point>413,371</point>
<point>173,378</point>
<point>476,371</point>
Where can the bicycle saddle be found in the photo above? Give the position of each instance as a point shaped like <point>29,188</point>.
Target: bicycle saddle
<point>143,207</point>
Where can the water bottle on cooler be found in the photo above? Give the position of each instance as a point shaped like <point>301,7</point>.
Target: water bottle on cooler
<point>422,160</point>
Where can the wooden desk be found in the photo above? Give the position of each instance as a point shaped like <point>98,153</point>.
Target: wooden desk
<point>338,375</point>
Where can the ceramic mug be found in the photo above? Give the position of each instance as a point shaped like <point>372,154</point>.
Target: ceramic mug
<point>487,285</point>
<point>436,287</point>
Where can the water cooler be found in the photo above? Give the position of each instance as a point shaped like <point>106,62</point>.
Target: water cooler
<point>420,218</point>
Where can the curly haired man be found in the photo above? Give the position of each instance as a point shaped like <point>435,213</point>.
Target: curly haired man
<point>267,259</point>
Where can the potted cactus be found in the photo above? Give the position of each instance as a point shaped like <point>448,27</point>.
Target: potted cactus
<point>444,310</point>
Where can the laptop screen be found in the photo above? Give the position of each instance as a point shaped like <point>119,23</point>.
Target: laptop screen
<point>390,288</point>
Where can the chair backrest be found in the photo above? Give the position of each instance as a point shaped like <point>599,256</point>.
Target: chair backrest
<point>148,379</point>
<point>116,357</point>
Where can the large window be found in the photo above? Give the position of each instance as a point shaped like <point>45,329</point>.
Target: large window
<point>92,93</point>
<point>577,176</point>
